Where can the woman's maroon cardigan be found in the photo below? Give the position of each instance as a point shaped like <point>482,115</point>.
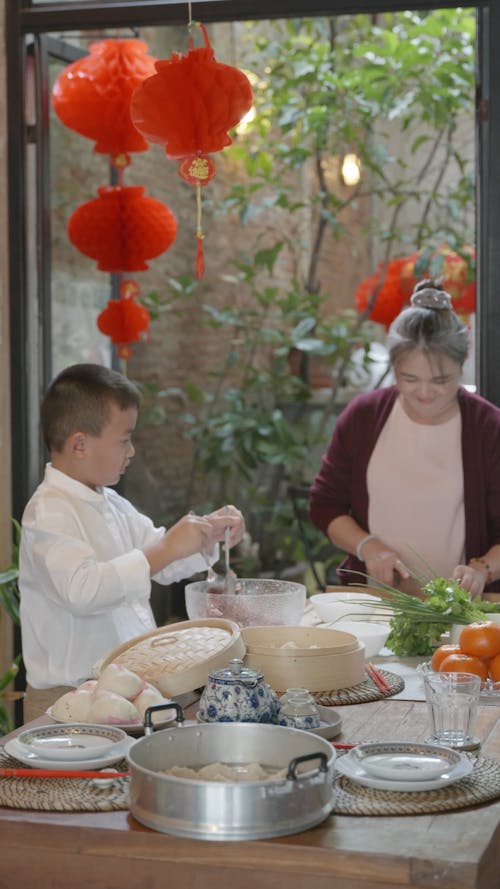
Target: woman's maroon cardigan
<point>340,486</point>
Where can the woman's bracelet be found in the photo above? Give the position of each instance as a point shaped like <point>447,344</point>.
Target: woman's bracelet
<point>486,567</point>
<point>361,545</point>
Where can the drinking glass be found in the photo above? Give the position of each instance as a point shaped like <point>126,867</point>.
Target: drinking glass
<point>452,700</point>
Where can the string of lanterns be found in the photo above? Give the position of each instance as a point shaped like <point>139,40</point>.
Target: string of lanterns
<point>123,98</point>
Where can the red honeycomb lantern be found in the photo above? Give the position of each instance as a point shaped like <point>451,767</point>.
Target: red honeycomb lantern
<point>188,106</point>
<point>92,95</point>
<point>391,292</point>
<point>191,102</point>
<point>455,272</point>
<point>122,228</point>
<point>124,320</point>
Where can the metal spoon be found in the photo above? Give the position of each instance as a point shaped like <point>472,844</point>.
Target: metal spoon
<point>230,578</point>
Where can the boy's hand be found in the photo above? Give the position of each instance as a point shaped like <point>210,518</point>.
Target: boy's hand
<point>227,516</point>
<point>191,534</point>
<point>195,534</point>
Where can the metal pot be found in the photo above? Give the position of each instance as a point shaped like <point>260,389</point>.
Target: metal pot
<point>210,810</point>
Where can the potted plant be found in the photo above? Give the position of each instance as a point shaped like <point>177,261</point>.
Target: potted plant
<point>9,604</point>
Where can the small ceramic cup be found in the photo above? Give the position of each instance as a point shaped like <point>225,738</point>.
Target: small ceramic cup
<point>299,710</point>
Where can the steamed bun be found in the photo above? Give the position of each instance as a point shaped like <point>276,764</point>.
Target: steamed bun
<point>74,706</point>
<point>108,708</point>
<point>149,697</point>
<point>90,684</point>
<point>120,680</point>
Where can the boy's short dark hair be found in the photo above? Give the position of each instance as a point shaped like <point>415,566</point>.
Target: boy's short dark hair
<point>79,400</point>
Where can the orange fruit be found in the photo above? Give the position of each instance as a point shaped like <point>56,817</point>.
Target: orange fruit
<point>494,668</point>
<point>441,653</point>
<point>464,663</point>
<point>481,639</point>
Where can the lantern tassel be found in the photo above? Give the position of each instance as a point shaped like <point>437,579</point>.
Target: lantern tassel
<point>200,259</point>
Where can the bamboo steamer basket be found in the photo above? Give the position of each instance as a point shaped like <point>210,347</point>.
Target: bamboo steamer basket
<point>177,658</point>
<point>316,658</point>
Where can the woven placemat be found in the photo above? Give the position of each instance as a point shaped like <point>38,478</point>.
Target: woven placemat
<point>481,785</point>
<point>365,691</point>
<point>62,794</point>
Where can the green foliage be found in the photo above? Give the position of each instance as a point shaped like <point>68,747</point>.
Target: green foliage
<point>346,84</point>
<point>9,601</point>
<point>417,623</point>
<point>326,86</point>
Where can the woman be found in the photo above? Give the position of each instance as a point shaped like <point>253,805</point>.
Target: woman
<point>410,484</point>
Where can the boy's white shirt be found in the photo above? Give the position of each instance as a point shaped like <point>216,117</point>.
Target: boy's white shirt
<point>84,581</point>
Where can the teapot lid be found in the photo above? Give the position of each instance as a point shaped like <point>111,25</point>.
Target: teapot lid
<point>237,672</point>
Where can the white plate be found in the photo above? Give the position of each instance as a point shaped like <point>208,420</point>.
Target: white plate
<point>331,723</point>
<point>352,768</point>
<point>28,758</point>
<point>76,741</point>
<point>131,728</point>
<point>405,762</point>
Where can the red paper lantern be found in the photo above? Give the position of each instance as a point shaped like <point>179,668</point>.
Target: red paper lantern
<point>124,320</point>
<point>92,95</point>
<point>391,295</point>
<point>188,106</point>
<point>122,228</point>
<point>191,102</point>
<point>454,272</point>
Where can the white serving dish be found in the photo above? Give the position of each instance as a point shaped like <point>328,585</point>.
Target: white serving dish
<point>160,720</point>
<point>76,741</point>
<point>456,629</point>
<point>342,604</point>
<point>372,635</point>
<point>329,727</point>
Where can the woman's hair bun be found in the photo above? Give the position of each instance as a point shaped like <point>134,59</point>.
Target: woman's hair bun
<point>430,295</point>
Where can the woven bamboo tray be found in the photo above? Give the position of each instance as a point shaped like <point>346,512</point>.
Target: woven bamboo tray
<point>177,658</point>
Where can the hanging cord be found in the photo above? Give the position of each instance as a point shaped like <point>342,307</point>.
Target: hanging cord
<point>200,259</point>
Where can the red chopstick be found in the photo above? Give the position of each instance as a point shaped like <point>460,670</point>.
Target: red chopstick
<point>343,746</point>
<point>379,680</point>
<point>59,773</point>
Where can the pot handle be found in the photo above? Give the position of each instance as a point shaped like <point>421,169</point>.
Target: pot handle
<point>148,715</point>
<point>323,764</point>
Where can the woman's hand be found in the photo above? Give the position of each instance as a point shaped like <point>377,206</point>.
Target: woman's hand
<point>472,579</point>
<point>382,563</point>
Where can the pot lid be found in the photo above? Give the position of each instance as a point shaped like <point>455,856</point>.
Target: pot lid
<point>235,673</point>
<point>178,657</point>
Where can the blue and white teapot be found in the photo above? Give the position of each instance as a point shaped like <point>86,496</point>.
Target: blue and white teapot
<point>237,694</point>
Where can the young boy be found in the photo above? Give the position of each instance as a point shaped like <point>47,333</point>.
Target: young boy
<point>87,555</point>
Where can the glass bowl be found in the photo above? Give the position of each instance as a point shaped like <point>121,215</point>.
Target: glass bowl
<point>256,603</point>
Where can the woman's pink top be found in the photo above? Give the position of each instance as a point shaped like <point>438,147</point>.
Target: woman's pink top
<point>416,492</point>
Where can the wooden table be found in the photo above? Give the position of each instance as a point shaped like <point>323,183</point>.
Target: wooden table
<point>459,850</point>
